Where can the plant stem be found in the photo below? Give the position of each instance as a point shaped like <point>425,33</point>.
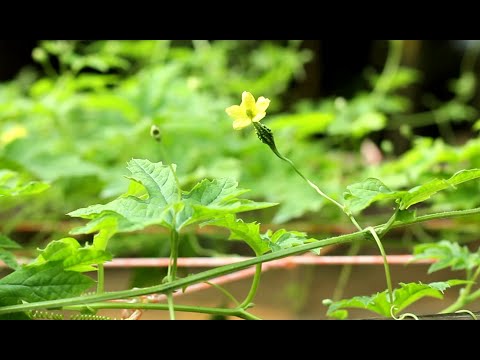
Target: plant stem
<point>385,263</point>
<point>465,297</point>
<point>227,269</point>
<point>389,224</point>
<point>316,188</point>
<point>100,279</point>
<point>150,306</point>
<point>253,289</point>
<point>392,64</point>
<point>225,292</point>
<point>172,265</point>
<point>172,270</point>
<point>345,272</point>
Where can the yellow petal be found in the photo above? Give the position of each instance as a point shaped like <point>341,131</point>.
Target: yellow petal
<point>236,112</point>
<point>239,124</point>
<point>248,102</point>
<point>262,104</point>
<point>259,116</point>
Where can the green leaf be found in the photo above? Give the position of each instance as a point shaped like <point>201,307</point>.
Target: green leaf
<point>12,184</point>
<point>135,213</point>
<point>464,86</point>
<point>424,192</point>
<point>261,243</point>
<point>476,126</point>
<point>447,254</point>
<point>46,282</point>
<point>283,239</point>
<point>73,257</point>
<point>239,230</point>
<point>403,297</point>
<point>9,259</point>
<point>360,195</point>
<point>7,243</point>
<point>215,198</point>
<point>367,123</point>
<point>137,209</point>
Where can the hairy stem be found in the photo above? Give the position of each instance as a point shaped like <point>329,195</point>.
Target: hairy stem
<point>385,263</point>
<point>172,269</point>
<point>100,279</point>
<point>253,289</point>
<point>241,313</point>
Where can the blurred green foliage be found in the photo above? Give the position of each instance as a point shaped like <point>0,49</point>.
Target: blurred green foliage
<point>76,124</point>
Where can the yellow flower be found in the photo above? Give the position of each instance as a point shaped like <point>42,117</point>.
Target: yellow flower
<point>249,111</point>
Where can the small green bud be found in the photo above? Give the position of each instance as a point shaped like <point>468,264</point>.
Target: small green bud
<point>39,55</point>
<point>264,134</point>
<point>155,133</point>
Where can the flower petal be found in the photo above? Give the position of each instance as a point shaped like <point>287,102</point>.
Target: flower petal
<point>248,102</point>
<point>262,104</point>
<point>236,112</point>
<point>239,124</point>
<point>259,116</point>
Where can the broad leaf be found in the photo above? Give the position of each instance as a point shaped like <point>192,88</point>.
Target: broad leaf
<point>447,254</point>
<point>424,192</point>
<point>283,239</point>
<point>73,257</point>
<point>239,230</point>
<point>380,303</point>
<point>9,259</point>
<point>12,184</point>
<point>360,195</point>
<point>46,282</point>
<point>261,243</point>
<point>159,202</point>
<point>211,199</point>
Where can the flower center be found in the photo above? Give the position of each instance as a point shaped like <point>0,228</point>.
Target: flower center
<point>250,113</point>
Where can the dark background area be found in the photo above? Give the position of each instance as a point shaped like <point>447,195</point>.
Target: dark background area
<point>336,68</point>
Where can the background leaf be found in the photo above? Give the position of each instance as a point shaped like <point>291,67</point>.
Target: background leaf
<point>448,254</point>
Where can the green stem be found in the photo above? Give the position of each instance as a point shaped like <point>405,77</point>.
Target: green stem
<point>226,269</point>
<point>469,60</point>
<point>385,262</point>
<point>345,272</point>
<point>172,270</point>
<point>172,265</point>
<point>149,306</point>
<point>171,306</point>
<point>392,64</point>
<point>465,297</point>
<point>389,224</point>
<point>316,188</point>
<point>225,292</point>
<point>100,279</point>
<point>253,289</point>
